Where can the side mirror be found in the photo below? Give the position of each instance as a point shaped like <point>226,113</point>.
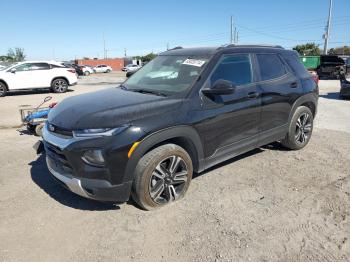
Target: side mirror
<point>13,70</point>
<point>220,87</point>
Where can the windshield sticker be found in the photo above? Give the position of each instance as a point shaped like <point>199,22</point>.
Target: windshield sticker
<point>194,62</point>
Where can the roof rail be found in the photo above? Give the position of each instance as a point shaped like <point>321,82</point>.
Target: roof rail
<point>233,45</point>
<point>177,47</point>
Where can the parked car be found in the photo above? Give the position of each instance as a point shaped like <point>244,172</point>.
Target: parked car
<point>131,68</point>
<point>37,74</point>
<point>345,86</point>
<point>146,138</point>
<point>102,69</point>
<point>87,70</point>
<point>78,69</point>
<point>331,66</point>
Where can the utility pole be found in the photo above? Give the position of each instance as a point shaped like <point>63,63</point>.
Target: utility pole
<point>167,46</point>
<point>104,47</point>
<point>328,28</point>
<point>231,36</point>
<point>237,37</point>
<point>124,52</point>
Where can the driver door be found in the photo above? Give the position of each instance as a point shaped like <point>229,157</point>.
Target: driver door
<point>21,77</point>
<point>231,123</point>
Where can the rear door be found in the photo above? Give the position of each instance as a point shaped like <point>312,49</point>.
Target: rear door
<point>43,74</point>
<point>279,89</point>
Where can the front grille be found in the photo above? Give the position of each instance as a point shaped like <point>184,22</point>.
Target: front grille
<point>57,155</point>
<point>62,132</point>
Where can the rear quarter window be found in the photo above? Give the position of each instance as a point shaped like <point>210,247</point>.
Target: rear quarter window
<point>294,62</point>
<point>271,66</point>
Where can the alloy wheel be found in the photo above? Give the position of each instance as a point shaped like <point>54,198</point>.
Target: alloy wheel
<point>303,128</point>
<point>2,88</point>
<point>168,180</point>
<point>60,86</point>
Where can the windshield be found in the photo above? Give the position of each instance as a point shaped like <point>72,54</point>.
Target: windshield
<point>167,74</point>
<point>7,67</point>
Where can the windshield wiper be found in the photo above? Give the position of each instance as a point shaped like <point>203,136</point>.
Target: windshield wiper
<point>123,87</point>
<point>147,91</point>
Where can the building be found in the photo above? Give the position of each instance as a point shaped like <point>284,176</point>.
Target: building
<point>115,63</point>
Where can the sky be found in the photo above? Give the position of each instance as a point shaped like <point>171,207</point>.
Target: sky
<point>66,29</point>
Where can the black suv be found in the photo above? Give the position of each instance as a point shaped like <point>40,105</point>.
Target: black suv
<point>183,112</point>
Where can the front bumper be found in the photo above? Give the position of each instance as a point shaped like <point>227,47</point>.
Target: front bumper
<point>90,188</point>
<point>63,157</point>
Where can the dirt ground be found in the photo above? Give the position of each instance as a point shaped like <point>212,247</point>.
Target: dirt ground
<point>267,205</point>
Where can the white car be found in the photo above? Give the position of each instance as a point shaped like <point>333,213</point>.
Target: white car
<point>87,70</point>
<point>131,68</point>
<point>102,69</point>
<point>36,74</point>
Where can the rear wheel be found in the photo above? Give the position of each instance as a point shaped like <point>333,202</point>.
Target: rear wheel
<point>3,89</point>
<point>87,73</point>
<point>162,176</point>
<point>39,129</point>
<point>300,129</point>
<point>59,85</point>
<point>108,71</point>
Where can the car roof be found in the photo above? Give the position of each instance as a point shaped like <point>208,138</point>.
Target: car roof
<point>210,51</point>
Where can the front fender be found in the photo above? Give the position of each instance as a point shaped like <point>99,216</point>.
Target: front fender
<point>186,132</point>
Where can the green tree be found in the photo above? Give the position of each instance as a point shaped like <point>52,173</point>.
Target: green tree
<point>341,50</point>
<point>308,49</point>
<point>146,58</point>
<point>16,55</point>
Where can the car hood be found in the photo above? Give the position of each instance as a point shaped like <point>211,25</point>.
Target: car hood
<point>109,108</point>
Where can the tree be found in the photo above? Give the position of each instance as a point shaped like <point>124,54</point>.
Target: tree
<point>341,50</point>
<point>308,49</point>
<point>146,58</point>
<point>16,55</point>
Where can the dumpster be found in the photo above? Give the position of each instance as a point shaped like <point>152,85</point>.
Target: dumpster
<point>310,62</point>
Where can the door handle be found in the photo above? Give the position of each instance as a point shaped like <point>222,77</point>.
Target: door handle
<point>294,85</point>
<point>253,95</point>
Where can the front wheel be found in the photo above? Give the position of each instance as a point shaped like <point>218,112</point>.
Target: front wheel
<point>300,129</point>
<point>59,85</point>
<point>108,71</point>
<point>3,89</point>
<point>162,176</point>
<point>87,73</point>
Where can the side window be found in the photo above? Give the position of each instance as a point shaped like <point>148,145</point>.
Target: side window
<point>234,68</point>
<point>294,62</point>
<point>270,66</point>
<point>23,67</point>
<point>40,66</point>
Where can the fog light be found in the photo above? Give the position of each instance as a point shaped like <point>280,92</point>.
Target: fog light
<point>94,157</point>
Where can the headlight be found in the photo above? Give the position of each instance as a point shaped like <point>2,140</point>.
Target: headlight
<point>98,132</point>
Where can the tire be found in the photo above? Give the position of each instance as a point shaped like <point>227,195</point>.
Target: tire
<point>155,170</point>
<point>39,130</point>
<point>30,128</point>
<point>3,89</point>
<point>300,129</point>
<point>87,73</point>
<point>108,71</point>
<point>59,85</point>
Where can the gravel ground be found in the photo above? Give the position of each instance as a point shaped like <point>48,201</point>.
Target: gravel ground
<point>267,205</point>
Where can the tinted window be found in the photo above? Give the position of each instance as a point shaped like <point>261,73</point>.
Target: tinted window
<point>270,66</point>
<point>56,66</point>
<point>294,62</point>
<point>235,68</point>
<point>23,67</point>
<point>40,66</point>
